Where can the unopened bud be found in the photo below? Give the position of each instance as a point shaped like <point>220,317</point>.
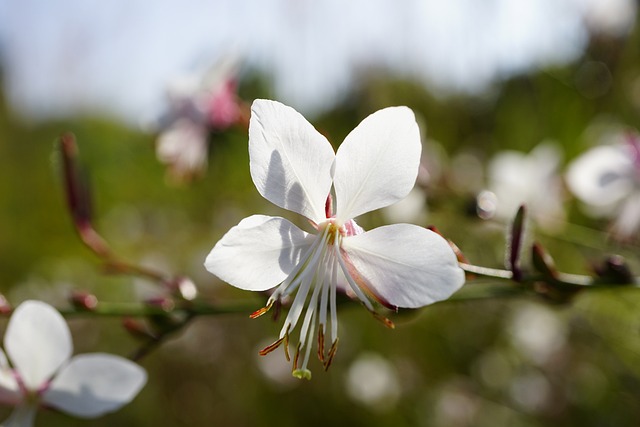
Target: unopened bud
<point>137,329</point>
<point>614,270</point>
<point>5,306</point>
<point>164,303</point>
<point>543,262</point>
<point>515,244</point>
<point>83,300</point>
<point>183,287</point>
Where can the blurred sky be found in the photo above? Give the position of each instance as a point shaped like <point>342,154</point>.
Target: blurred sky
<point>68,56</point>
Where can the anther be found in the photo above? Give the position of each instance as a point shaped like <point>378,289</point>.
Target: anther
<point>295,360</point>
<point>332,353</point>
<point>321,343</point>
<point>268,349</point>
<point>262,311</point>
<point>385,321</point>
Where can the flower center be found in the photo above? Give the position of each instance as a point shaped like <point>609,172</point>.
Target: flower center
<point>333,230</point>
<point>315,281</point>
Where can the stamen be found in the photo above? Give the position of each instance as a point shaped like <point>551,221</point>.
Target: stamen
<point>332,299</point>
<point>295,360</point>
<point>310,265</point>
<point>263,310</point>
<point>286,346</point>
<point>308,351</point>
<point>268,349</point>
<point>352,283</point>
<point>332,353</point>
<point>385,321</point>
<point>309,317</point>
<point>321,342</point>
<point>296,308</point>
<point>326,284</point>
<point>319,268</point>
<point>285,288</point>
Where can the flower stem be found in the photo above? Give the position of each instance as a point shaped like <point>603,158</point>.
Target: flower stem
<point>197,308</point>
<point>577,280</point>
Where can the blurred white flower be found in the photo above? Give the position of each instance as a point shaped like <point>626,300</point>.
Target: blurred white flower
<point>43,373</point>
<point>197,104</point>
<point>183,146</point>
<point>531,179</point>
<point>610,17</point>
<point>607,179</point>
<point>373,381</point>
<point>456,404</point>
<point>537,332</point>
<point>531,391</point>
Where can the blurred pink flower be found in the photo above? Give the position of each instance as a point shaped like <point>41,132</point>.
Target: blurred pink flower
<point>43,373</point>
<point>199,104</point>
<point>295,167</point>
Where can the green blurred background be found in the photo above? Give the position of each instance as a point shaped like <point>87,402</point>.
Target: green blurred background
<point>513,361</point>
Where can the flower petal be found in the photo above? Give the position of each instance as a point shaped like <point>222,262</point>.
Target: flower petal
<point>258,253</point>
<point>9,388</point>
<point>290,160</point>
<point>377,164</point>
<point>602,176</point>
<point>94,384</point>
<point>628,221</point>
<point>183,146</point>
<point>37,341</point>
<point>404,265</point>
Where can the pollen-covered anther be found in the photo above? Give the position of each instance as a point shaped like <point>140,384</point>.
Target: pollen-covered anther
<point>268,349</point>
<point>273,346</point>
<point>332,353</point>
<point>286,346</point>
<point>321,343</point>
<point>385,321</point>
<point>263,310</point>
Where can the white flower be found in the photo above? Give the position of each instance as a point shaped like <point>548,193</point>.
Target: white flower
<point>42,372</point>
<point>295,167</point>
<point>184,147</point>
<point>607,179</point>
<point>532,179</point>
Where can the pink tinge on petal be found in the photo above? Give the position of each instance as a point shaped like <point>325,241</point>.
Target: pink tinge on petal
<point>328,207</point>
<point>223,106</point>
<point>12,389</point>
<point>362,282</point>
<point>351,228</point>
<point>634,143</point>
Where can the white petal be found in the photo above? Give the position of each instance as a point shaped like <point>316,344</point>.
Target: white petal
<point>290,160</point>
<point>377,164</point>
<point>37,341</point>
<point>602,176</point>
<point>184,147</point>
<point>94,384</point>
<point>9,389</point>
<point>258,253</point>
<point>404,265</point>
<point>22,416</point>
<point>628,221</point>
